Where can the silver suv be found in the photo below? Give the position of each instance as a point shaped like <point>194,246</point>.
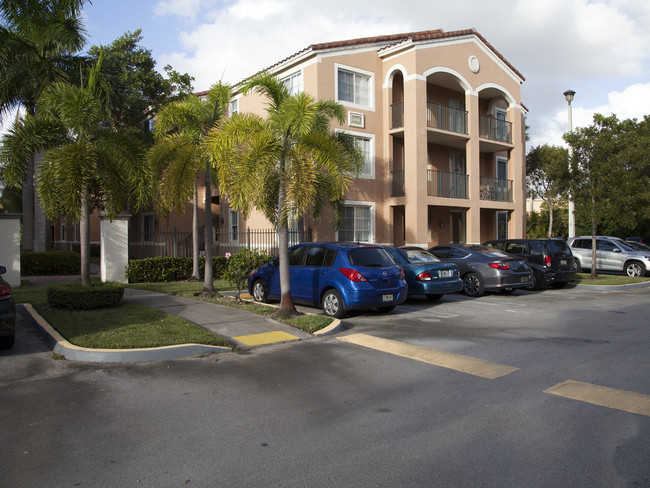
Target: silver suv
<point>612,254</point>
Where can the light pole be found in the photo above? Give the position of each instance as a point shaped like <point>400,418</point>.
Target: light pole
<point>569,94</point>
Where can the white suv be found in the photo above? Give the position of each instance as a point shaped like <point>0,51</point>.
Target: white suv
<point>612,254</point>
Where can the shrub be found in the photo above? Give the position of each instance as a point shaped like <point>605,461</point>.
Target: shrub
<point>78,297</point>
<point>151,270</point>
<point>49,263</point>
<point>241,265</point>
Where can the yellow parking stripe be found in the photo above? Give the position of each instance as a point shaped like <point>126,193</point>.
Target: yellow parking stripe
<point>604,396</point>
<point>464,364</point>
<point>265,338</point>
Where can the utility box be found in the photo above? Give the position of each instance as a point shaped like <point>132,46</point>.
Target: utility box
<point>10,247</point>
<point>114,254</point>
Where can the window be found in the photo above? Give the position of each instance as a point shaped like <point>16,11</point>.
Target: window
<point>234,228</point>
<point>293,83</point>
<point>501,125</point>
<point>354,88</point>
<point>502,225</point>
<point>366,143</point>
<point>147,227</point>
<point>605,245</point>
<point>297,255</point>
<point>63,232</point>
<point>315,256</point>
<point>357,224</point>
<point>233,108</point>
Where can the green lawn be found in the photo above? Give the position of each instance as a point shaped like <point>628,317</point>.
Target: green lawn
<point>608,279</point>
<point>126,326</point>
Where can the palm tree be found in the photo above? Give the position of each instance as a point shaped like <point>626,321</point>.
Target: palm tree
<point>86,165</point>
<point>287,164</point>
<point>180,155</point>
<point>37,40</point>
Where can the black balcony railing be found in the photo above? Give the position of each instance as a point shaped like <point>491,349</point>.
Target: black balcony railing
<point>496,189</point>
<point>495,129</point>
<point>448,185</point>
<point>397,115</point>
<point>446,118</point>
<point>397,183</point>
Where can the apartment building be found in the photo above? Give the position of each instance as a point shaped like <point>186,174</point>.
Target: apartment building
<point>440,120</point>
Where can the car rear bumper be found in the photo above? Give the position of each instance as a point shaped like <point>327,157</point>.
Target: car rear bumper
<point>559,276</point>
<point>510,280</point>
<point>435,287</point>
<point>370,298</point>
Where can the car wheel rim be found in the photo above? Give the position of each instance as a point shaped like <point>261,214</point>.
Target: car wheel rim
<point>634,270</point>
<point>331,304</point>
<point>258,292</point>
<point>471,285</point>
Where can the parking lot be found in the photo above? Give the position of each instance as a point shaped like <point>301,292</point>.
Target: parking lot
<point>531,389</point>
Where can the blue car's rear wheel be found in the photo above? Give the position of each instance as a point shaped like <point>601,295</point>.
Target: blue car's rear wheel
<point>260,293</point>
<point>333,304</point>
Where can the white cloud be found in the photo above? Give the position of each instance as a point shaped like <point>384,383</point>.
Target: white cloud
<point>186,9</point>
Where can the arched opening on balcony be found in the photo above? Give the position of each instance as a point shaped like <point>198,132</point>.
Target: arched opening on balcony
<point>396,83</point>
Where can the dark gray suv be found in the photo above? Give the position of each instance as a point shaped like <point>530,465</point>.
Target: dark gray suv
<point>550,259</point>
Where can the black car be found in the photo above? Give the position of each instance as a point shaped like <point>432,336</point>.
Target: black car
<point>7,313</point>
<point>550,259</point>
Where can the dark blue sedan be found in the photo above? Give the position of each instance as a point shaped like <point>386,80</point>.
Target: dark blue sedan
<point>425,273</point>
<point>336,276</point>
<point>7,313</point>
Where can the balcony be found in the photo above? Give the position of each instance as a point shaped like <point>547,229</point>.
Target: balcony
<point>495,129</point>
<point>446,118</point>
<point>447,185</point>
<point>496,189</point>
<point>397,115</point>
<point>397,183</point>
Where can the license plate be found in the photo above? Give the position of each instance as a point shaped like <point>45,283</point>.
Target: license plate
<point>563,262</point>
<point>444,273</point>
<point>525,279</point>
<point>387,298</point>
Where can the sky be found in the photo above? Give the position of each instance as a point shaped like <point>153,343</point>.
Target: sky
<point>599,49</point>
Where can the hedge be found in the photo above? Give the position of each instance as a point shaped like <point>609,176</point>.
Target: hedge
<point>49,263</point>
<point>78,297</point>
<point>170,269</point>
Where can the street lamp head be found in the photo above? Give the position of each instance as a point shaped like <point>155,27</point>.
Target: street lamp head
<point>569,95</point>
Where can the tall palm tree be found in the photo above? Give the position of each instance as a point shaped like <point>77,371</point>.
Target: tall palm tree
<point>285,164</point>
<point>180,155</point>
<point>86,165</point>
<point>37,41</point>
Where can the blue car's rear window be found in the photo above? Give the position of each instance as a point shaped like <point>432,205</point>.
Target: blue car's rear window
<point>369,256</point>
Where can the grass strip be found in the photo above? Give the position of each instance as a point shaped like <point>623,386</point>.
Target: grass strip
<point>609,279</point>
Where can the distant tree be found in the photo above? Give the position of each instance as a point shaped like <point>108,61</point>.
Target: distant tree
<point>38,40</point>
<point>181,153</point>
<point>86,166</point>
<point>547,170</point>
<point>137,89</point>
<point>611,174</point>
<point>286,164</point>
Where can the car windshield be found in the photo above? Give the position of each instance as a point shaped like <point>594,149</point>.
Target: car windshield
<point>370,257</point>
<point>417,256</point>
<point>623,245</point>
<point>488,251</point>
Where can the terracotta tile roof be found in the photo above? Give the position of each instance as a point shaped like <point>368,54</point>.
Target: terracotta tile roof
<point>394,39</point>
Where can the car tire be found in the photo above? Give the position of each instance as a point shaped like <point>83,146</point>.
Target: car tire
<point>535,283</point>
<point>333,305</point>
<point>434,296</point>
<point>7,342</point>
<point>579,268</point>
<point>260,292</point>
<point>386,309</point>
<point>634,269</point>
<point>473,285</point>
<point>557,286</point>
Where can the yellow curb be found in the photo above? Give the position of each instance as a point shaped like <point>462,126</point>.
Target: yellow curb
<point>266,338</point>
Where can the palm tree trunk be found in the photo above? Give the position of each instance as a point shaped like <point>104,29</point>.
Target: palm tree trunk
<point>208,281</point>
<point>84,240</point>
<point>287,308</point>
<point>195,235</point>
<point>28,208</point>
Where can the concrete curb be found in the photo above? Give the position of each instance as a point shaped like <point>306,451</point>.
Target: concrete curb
<point>613,287</point>
<point>61,346</point>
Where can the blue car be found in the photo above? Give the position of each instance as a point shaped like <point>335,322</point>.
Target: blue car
<point>336,276</point>
<point>425,273</point>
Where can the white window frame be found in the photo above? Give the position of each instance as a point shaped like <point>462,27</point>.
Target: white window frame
<point>364,135</point>
<point>355,71</point>
<point>233,224</point>
<point>233,103</point>
<point>290,78</point>
<point>371,205</point>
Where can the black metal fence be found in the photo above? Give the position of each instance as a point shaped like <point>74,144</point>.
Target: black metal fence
<point>179,243</point>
